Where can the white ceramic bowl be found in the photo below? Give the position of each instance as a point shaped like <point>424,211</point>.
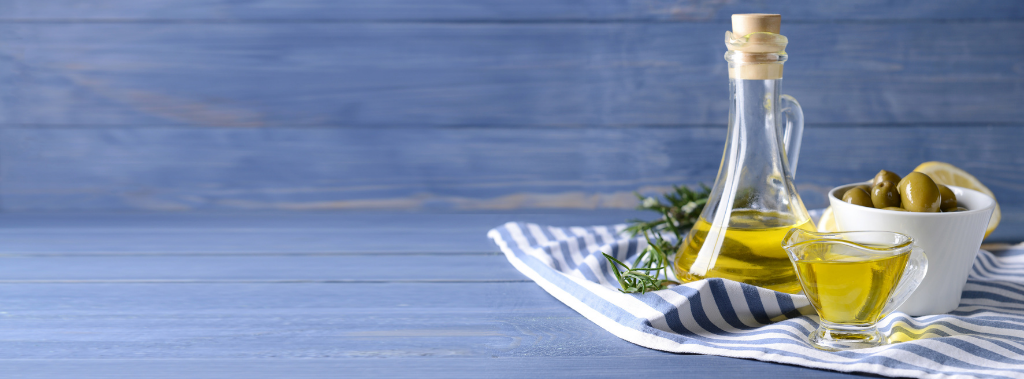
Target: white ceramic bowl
<point>950,240</point>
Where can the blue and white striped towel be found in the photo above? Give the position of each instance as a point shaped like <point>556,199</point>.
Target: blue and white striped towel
<point>984,337</point>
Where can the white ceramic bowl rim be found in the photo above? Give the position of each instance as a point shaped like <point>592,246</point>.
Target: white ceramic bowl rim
<point>988,202</point>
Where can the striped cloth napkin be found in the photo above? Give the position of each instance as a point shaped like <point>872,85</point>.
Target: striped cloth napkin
<point>984,337</point>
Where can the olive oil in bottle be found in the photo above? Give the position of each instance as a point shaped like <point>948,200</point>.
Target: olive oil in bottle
<point>750,252</point>
<point>849,289</point>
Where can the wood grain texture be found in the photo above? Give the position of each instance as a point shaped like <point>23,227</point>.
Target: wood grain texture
<point>284,268</point>
<point>503,10</point>
<point>301,320</point>
<point>363,324</point>
<point>413,368</point>
<point>270,233</point>
<point>451,168</point>
<point>493,105</point>
<point>491,74</point>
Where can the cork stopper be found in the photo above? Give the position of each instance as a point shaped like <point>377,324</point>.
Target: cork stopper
<point>744,24</point>
<point>757,50</point>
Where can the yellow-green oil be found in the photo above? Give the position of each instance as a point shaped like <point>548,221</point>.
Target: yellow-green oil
<point>751,251</point>
<point>847,288</point>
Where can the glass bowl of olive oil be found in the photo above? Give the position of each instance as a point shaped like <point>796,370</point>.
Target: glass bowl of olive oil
<point>853,280</point>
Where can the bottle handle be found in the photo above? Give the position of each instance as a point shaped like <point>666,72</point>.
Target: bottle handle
<point>793,132</point>
<point>917,267</point>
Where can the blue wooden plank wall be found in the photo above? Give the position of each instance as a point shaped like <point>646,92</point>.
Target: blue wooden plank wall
<point>479,105</point>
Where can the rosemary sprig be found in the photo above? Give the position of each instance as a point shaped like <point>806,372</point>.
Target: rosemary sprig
<point>681,212</point>
<point>678,216</point>
<point>641,277</point>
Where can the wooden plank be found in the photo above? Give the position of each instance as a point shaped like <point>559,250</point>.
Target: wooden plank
<point>693,366</point>
<point>358,324</point>
<point>323,168</point>
<point>299,320</point>
<point>451,169</point>
<point>499,74</point>
<point>199,233</point>
<point>371,267</point>
<point>246,241</point>
<point>397,223</point>
<point>502,10</point>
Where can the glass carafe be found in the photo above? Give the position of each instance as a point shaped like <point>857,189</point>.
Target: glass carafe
<point>753,203</point>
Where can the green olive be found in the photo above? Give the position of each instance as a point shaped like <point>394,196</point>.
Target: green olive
<point>948,198</point>
<point>884,195</point>
<point>865,187</point>
<point>898,209</point>
<point>857,196</point>
<point>918,193</point>
<point>885,176</point>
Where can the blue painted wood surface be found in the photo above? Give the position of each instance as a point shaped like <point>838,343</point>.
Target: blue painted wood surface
<point>337,168</point>
<point>401,367</point>
<point>270,233</point>
<point>277,268</point>
<point>502,10</point>
<point>492,74</point>
<point>193,106</point>
<point>229,313</point>
<point>459,105</point>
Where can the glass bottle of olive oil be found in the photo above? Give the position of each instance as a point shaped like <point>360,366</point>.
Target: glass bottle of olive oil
<point>753,203</point>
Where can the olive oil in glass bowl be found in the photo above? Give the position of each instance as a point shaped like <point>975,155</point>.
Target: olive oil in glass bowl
<point>853,280</point>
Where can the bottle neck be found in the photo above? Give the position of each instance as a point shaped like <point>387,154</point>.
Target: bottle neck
<point>753,129</point>
<point>753,120</point>
<point>756,56</point>
<point>753,174</point>
<point>755,66</point>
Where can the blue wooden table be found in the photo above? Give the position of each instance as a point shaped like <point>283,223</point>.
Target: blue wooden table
<point>300,295</point>
<point>262,188</point>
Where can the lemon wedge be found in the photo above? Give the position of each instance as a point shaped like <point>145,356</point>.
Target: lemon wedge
<point>827,222</point>
<point>950,175</point>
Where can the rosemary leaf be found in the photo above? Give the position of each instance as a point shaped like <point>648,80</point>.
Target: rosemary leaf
<point>649,271</point>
